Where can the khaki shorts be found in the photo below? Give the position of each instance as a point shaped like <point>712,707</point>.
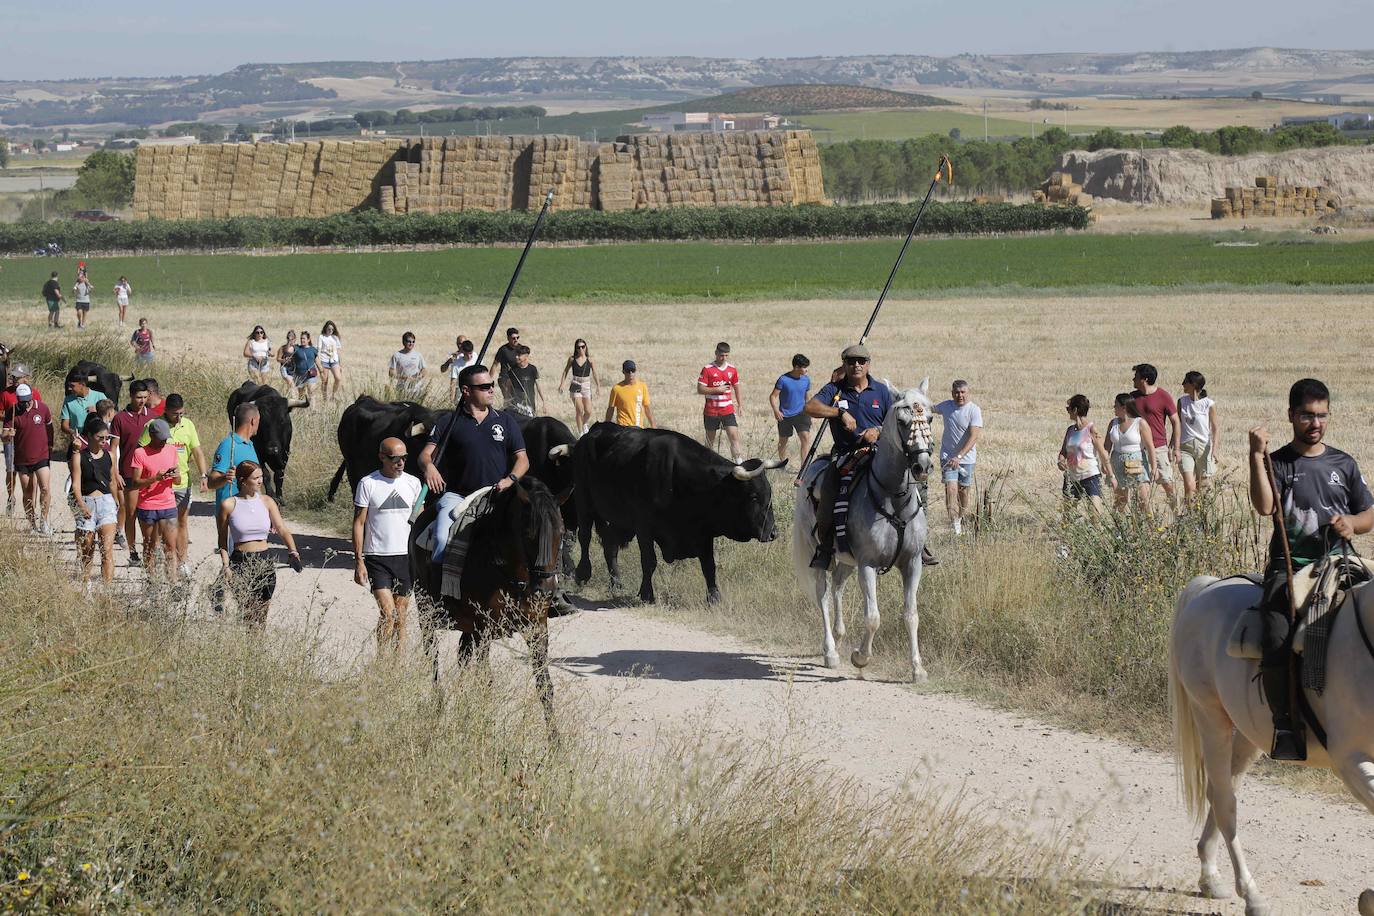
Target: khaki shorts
<point>1195,457</point>
<point>1166,470</point>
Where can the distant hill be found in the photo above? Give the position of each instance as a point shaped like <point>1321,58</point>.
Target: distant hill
<point>806,98</point>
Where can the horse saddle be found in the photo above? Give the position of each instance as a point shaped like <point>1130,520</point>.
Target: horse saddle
<point>1318,591</point>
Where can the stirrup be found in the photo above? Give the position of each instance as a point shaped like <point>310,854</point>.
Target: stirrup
<point>823,557</point>
<point>1289,744</point>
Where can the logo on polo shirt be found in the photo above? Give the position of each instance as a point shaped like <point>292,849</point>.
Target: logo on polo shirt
<point>1335,479</point>
<point>498,434</point>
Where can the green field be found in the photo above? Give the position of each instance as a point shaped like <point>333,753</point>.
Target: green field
<point>698,271</point>
<point>836,127</point>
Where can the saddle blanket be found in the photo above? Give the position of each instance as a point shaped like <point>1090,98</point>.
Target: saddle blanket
<point>462,518</point>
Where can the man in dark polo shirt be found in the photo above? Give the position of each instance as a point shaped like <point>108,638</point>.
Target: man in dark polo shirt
<point>484,449</point>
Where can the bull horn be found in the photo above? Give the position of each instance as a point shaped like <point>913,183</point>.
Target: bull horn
<point>293,404</point>
<point>92,378</point>
<point>741,474</point>
<point>127,378</point>
<point>418,429</point>
<point>773,463</point>
<point>560,451</point>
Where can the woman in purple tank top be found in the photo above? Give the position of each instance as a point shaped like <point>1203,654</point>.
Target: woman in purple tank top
<point>245,521</point>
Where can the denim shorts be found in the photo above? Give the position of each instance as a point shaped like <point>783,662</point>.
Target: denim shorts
<point>964,474</point>
<point>149,516</point>
<point>104,511</point>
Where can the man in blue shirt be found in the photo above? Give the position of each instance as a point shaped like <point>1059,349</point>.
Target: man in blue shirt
<point>485,449</point>
<point>789,406</point>
<point>235,447</point>
<point>855,407</point>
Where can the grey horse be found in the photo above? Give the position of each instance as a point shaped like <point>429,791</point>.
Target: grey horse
<point>887,529</point>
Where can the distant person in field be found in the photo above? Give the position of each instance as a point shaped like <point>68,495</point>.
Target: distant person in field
<point>244,521</point>
<point>584,384</point>
<point>17,374</point>
<point>258,352</point>
<point>81,293</point>
<point>381,531</point>
<point>407,368</point>
<point>96,488</point>
<point>719,384</point>
<point>461,357</point>
<point>788,401</point>
<point>1157,407</point>
<point>286,361</point>
<point>331,360</point>
<point>1133,460</point>
<point>963,427</point>
<point>29,424</point>
<point>505,360</point>
<point>524,385</point>
<point>1197,414</point>
<point>305,370</point>
<point>1082,456</point>
<point>142,342</point>
<point>52,295</point>
<point>629,404</point>
<point>122,292</point>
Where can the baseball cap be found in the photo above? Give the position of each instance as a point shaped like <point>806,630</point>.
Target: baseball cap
<point>855,351</point>
<point>19,370</point>
<point>24,393</point>
<point>628,366</point>
<point>159,430</point>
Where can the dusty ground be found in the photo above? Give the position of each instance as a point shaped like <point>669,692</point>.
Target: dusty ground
<point>651,680</point>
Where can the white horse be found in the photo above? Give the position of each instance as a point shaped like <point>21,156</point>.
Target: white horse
<point>1221,722</point>
<point>886,526</point>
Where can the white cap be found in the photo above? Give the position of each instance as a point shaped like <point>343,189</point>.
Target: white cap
<point>24,392</point>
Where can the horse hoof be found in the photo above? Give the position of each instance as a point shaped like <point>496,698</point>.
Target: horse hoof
<point>1214,887</point>
<point>858,659</point>
<point>919,676</point>
<point>713,596</point>
<point>832,660</point>
<point>1257,908</point>
<point>1367,902</point>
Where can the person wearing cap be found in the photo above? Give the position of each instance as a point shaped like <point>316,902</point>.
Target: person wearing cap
<point>629,404</point>
<point>186,440</point>
<point>154,474</point>
<point>29,425</point>
<point>719,384</point>
<point>17,374</point>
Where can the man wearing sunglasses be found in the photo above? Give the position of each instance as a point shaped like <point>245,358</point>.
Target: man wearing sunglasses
<point>1325,501</point>
<point>381,530</point>
<point>484,449</point>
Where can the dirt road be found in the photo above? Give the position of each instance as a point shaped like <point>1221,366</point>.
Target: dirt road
<point>651,679</point>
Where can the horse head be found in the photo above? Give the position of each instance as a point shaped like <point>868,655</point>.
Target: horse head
<point>911,416</point>
<point>533,535</point>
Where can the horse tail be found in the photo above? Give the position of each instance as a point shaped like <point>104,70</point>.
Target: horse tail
<point>338,476</point>
<point>1192,772</point>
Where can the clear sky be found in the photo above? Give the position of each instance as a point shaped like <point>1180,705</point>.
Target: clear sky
<point>76,38</point>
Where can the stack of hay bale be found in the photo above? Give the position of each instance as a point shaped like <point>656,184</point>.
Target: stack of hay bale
<point>562,165</point>
<point>745,169</point>
<point>616,178</point>
<point>1061,189</point>
<point>1271,199</point>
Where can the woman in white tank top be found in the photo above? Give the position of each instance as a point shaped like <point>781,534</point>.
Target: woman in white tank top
<point>1132,464</point>
<point>258,352</point>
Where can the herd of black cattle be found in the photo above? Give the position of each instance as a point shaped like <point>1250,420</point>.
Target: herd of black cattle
<point>655,486</point>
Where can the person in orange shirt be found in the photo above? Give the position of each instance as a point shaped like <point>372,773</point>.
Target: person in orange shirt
<point>629,405</point>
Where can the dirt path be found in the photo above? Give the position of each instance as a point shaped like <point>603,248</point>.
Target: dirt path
<point>652,679</point>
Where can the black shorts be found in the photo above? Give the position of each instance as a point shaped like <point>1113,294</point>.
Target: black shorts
<point>714,423</point>
<point>83,306</point>
<point>1078,489</point>
<point>389,572</point>
<point>32,468</point>
<point>252,576</point>
<point>798,423</point>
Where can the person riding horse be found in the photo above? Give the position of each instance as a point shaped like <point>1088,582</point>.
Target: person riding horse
<point>855,405</point>
<point>1320,493</point>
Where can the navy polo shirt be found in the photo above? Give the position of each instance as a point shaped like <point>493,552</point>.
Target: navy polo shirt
<point>867,407</point>
<point>478,454</point>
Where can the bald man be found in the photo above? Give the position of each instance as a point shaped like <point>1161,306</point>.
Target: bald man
<point>381,535</point>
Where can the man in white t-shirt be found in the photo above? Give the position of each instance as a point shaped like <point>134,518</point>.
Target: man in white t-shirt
<point>407,368</point>
<point>963,425</point>
<point>381,537</point>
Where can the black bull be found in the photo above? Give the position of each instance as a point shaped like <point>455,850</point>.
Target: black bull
<point>669,491</point>
<point>101,379</point>
<point>368,421</point>
<point>272,441</point>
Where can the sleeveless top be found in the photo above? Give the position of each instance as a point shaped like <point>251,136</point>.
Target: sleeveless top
<point>259,350</point>
<point>582,371</point>
<point>95,473</point>
<point>249,521</point>
<point>329,347</point>
<point>1080,453</point>
<point>1127,438</point>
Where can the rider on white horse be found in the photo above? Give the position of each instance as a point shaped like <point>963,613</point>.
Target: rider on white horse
<point>1319,488</point>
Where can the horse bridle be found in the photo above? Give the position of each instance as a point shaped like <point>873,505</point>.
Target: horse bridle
<point>918,436</point>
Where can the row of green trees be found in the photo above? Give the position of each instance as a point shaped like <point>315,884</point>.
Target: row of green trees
<point>1227,141</point>
<point>405,116</point>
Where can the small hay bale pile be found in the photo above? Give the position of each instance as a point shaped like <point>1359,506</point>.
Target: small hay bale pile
<point>1268,198</point>
<point>1061,190</point>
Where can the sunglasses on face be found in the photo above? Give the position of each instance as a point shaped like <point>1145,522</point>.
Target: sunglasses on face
<point>487,387</point>
<point>102,438</point>
<point>859,360</point>
<point>393,457</point>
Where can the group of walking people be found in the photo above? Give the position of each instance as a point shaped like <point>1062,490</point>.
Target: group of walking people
<point>303,365</point>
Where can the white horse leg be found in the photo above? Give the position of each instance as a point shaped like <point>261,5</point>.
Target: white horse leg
<point>911,580</point>
<point>1211,883</point>
<point>1218,753</point>
<point>821,591</point>
<point>868,583</point>
<point>1357,771</point>
<point>837,580</point>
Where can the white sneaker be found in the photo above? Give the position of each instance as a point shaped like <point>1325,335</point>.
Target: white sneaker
<point>45,529</point>
<point>958,526</point>
<point>185,570</point>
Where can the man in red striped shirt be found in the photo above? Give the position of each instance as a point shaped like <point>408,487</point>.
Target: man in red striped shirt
<point>719,383</point>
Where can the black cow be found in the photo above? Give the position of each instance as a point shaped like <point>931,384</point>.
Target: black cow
<point>665,489</point>
<point>548,445</point>
<point>101,379</point>
<point>363,426</point>
<point>272,441</point>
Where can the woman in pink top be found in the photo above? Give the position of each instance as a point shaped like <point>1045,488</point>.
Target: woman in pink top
<point>245,520</point>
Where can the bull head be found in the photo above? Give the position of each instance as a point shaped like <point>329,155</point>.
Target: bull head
<point>740,473</point>
<point>559,452</point>
<point>293,404</point>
